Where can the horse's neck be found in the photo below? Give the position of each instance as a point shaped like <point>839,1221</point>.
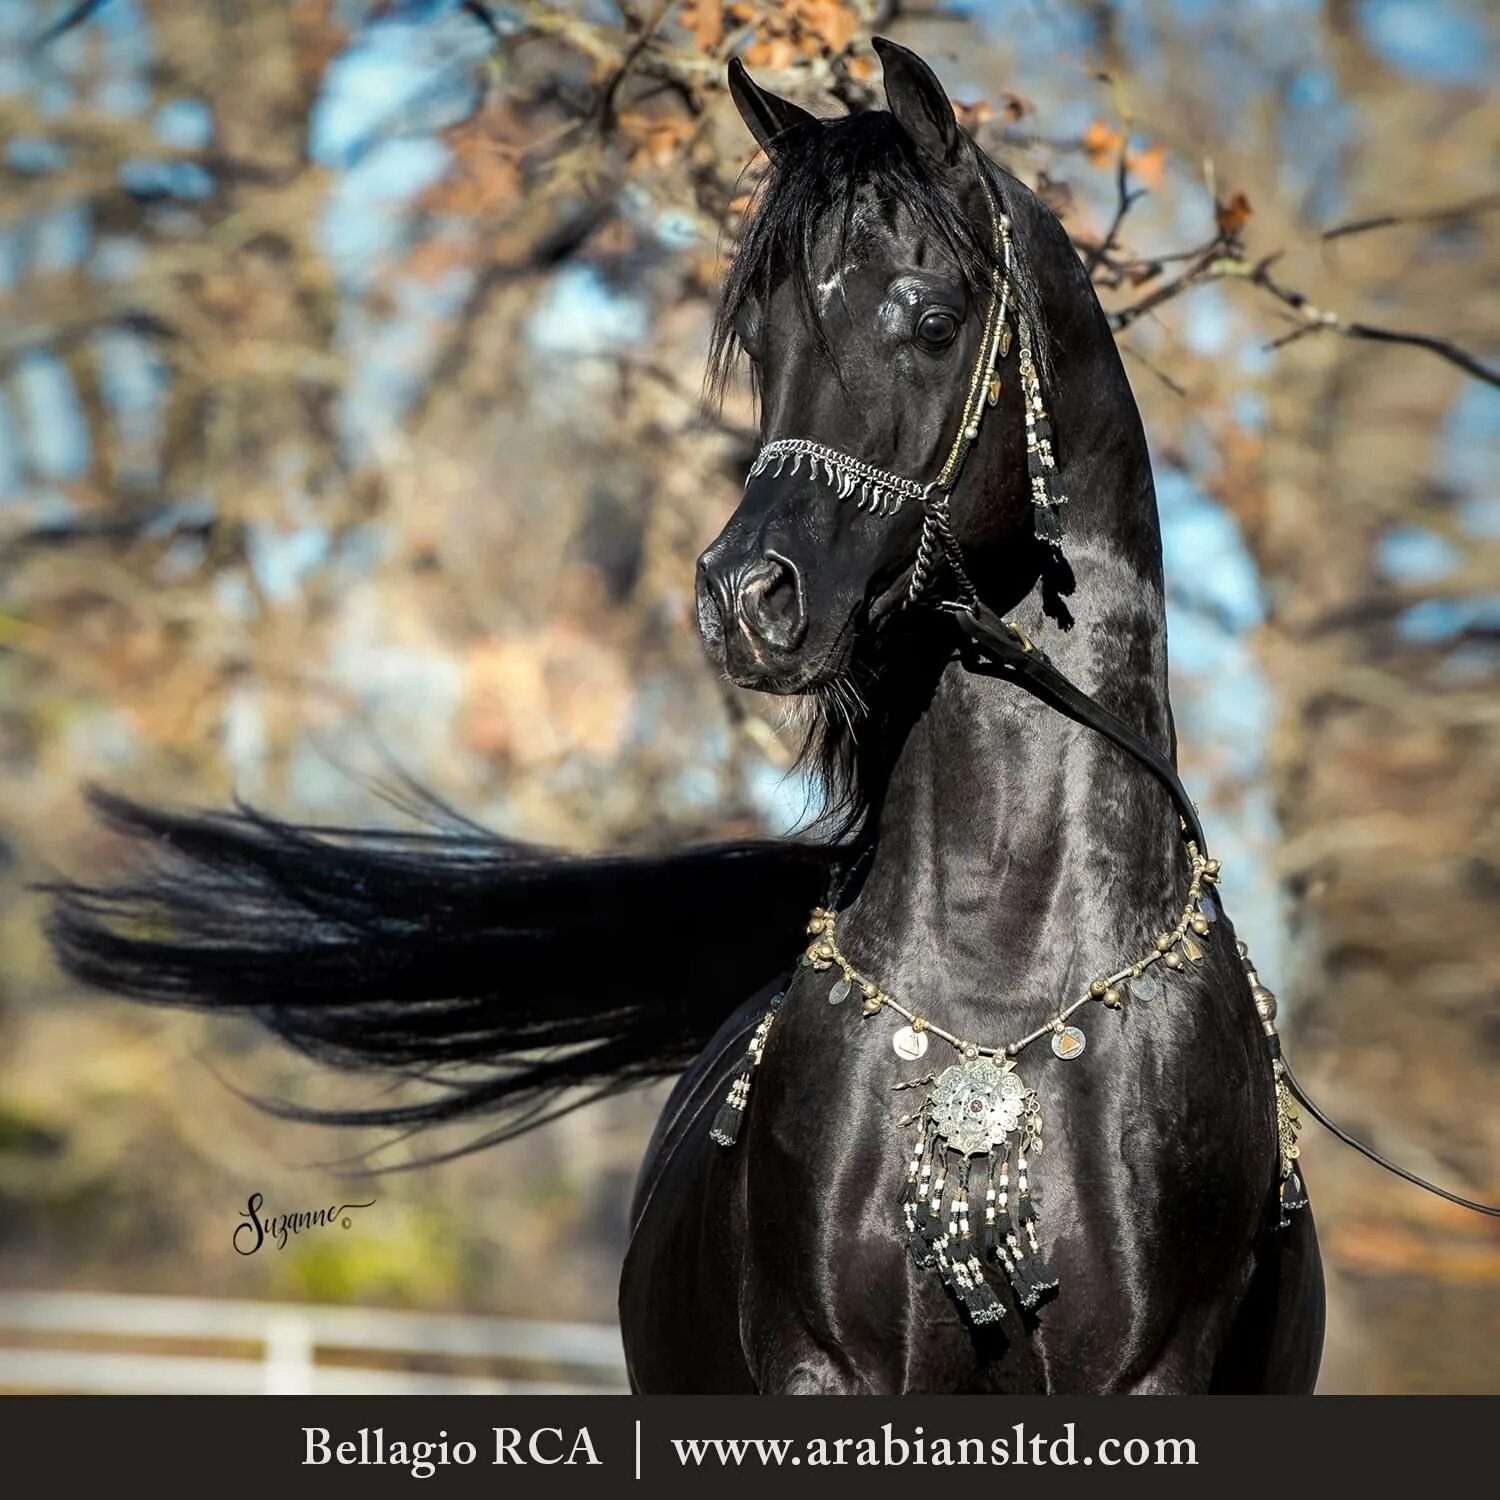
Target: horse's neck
<point>1018,851</point>
<point>1020,855</point>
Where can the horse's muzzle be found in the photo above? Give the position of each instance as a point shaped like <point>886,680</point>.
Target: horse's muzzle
<point>752,612</point>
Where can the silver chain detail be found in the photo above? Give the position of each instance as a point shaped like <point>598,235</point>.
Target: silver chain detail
<point>877,488</point>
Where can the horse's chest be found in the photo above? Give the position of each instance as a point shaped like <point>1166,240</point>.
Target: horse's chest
<point>1150,1187</point>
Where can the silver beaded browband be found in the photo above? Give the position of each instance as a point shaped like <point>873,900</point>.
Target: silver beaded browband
<point>879,489</point>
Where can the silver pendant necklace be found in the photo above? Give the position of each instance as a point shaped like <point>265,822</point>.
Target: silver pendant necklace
<point>979,1125</point>
<point>968,1201</point>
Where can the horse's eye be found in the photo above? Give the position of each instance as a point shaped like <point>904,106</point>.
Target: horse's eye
<point>937,328</point>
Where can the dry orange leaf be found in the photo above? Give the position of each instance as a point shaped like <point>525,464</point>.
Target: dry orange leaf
<point>1102,142</point>
<point>705,19</point>
<point>475,189</point>
<point>656,138</point>
<point>972,116</point>
<point>432,258</point>
<point>704,269</point>
<point>774,53</point>
<point>1149,165</point>
<point>319,37</point>
<point>1388,1249</point>
<point>1233,216</point>
<point>830,22</point>
<point>615,237</point>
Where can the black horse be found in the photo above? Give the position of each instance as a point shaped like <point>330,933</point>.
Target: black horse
<point>992,856</point>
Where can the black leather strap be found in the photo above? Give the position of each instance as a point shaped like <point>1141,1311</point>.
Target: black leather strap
<point>1019,660</point>
<point>1027,664</point>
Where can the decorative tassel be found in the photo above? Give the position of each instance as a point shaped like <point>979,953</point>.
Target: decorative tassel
<point>914,1211</point>
<point>1048,523</point>
<point>961,1209</point>
<point>1041,461</point>
<point>1293,1194</point>
<point>726,1126</point>
<point>984,1306</point>
<point>1040,1275</point>
<point>993,1207</point>
<point>725,1130</point>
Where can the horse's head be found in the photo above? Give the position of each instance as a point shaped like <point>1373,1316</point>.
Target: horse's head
<point>862,293</point>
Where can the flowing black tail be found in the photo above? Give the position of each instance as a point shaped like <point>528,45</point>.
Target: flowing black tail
<point>505,975</point>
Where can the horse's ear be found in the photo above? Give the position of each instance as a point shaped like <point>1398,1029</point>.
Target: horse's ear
<point>769,116</point>
<point>918,101</point>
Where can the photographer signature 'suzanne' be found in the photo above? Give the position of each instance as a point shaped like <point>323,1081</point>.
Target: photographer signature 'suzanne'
<point>257,1228</point>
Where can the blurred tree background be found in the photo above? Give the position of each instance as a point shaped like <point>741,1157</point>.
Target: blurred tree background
<point>349,429</point>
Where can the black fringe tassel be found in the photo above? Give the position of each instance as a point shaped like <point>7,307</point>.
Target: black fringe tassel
<point>1046,503</point>
<point>1029,1272</point>
<point>940,1226</point>
<point>725,1130</point>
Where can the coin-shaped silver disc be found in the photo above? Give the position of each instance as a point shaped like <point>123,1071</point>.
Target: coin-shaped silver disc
<point>1069,1043</point>
<point>909,1045</point>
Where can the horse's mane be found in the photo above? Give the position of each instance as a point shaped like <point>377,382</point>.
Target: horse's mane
<point>820,177</point>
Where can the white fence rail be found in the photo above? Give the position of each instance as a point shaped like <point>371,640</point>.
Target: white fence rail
<point>294,1341</point>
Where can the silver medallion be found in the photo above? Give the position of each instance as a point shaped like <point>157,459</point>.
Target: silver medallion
<point>976,1105</point>
<point>1148,986</point>
<point>909,1044</point>
<point>840,991</point>
<point>1068,1043</point>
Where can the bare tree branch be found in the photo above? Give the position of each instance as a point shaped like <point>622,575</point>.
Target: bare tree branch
<point>1219,262</point>
<point>1124,202</point>
<point>66,22</point>
<point>1487,204</point>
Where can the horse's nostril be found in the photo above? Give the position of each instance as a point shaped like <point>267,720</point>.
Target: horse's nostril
<point>714,609</point>
<point>771,603</point>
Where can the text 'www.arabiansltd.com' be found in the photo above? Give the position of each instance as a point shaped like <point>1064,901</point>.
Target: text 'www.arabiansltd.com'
<point>889,1447</point>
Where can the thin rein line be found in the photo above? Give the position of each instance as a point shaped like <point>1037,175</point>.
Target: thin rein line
<point>1338,1131</point>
